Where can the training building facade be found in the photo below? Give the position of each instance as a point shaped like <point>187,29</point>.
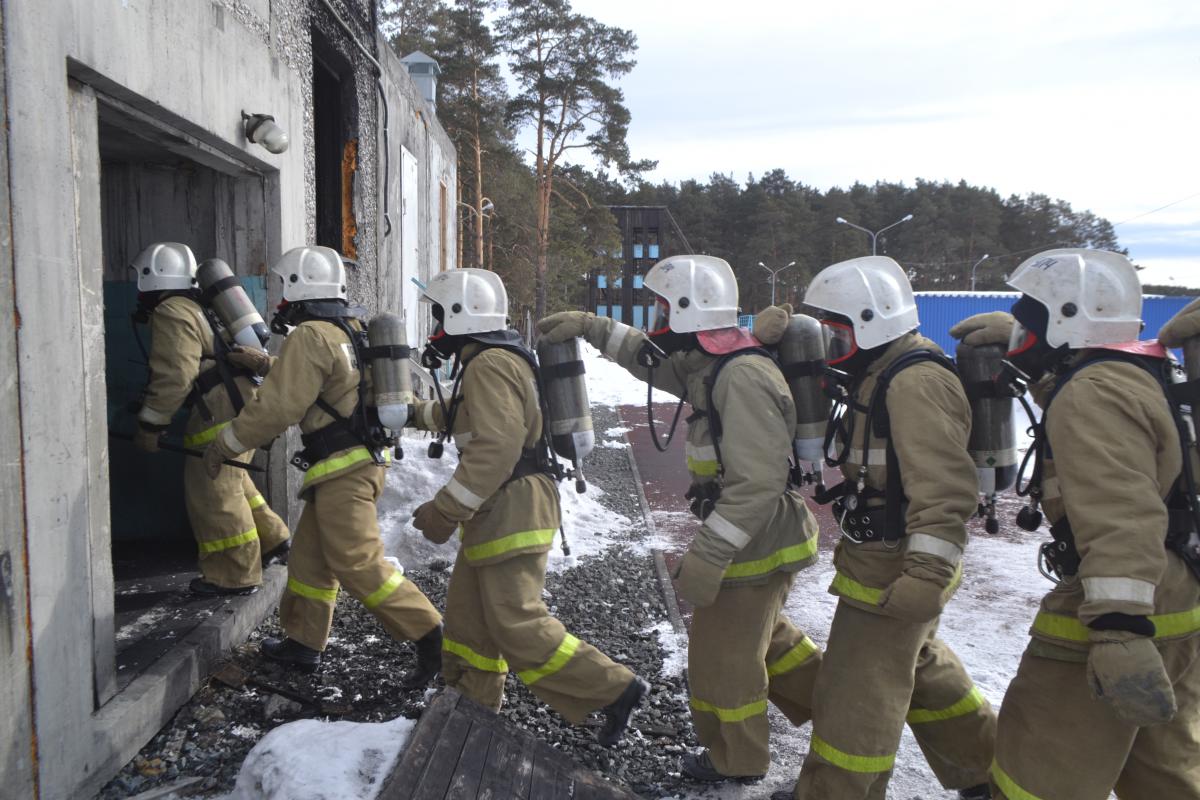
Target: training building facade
<point>124,125</point>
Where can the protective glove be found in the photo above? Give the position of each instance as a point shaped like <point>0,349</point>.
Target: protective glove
<point>994,327</point>
<point>919,594</point>
<point>565,325</point>
<point>1184,325</point>
<point>146,438</point>
<point>433,524</point>
<point>250,359</point>
<point>697,581</point>
<point>771,322</point>
<point>214,457</point>
<point>1126,671</point>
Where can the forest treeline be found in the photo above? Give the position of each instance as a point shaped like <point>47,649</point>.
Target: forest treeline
<point>534,215</point>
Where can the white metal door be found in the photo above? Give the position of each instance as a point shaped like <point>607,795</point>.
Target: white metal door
<point>409,252</point>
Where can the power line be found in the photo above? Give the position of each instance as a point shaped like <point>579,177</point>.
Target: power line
<point>1156,210</point>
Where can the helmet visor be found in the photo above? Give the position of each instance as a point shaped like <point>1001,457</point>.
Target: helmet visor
<point>1021,340</point>
<point>660,320</point>
<point>839,341</point>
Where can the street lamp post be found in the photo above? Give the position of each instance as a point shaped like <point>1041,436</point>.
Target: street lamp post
<point>873,234</point>
<point>977,263</point>
<point>775,272</point>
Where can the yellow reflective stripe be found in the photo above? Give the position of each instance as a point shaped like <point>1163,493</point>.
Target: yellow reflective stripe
<point>323,468</point>
<point>851,763</point>
<point>514,541</point>
<point>788,555</point>
<point>379,595</point>
<point>217,545</point>
<point>1010,788</point>
<point>848,587</point>
<point>703,467</point>
<point>1061,626</point>
<point>739,714</point>
<point>258,501</point>
<point>203,437</point>
<point>312,592</point>
<point>474,659</point>
<point>972,702</point>
<point>794,657</point>
<point>557,661</point>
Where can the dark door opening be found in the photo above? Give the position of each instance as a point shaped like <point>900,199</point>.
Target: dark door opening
<point>329,142</point>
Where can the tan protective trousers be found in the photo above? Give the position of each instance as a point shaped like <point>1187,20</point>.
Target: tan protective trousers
<point>495,619</point>
<point>742,652</point>
<point>232,523</point>
<point>337,543</point>
<point>880,672</point>
<point>1058,742</point>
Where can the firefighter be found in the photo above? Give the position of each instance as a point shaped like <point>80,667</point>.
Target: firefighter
<point>503,497</point>
<point>755,531</point>
<point>909,487</point>
<point>318,384</point>
<point>1107,695</point>
<point>236,531</point>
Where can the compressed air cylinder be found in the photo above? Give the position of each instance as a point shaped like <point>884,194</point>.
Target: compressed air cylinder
<point>993,442</point>
<point>570,421</point>
<point>223,293</point>
<point>391,378</point>
<point>801,357</point>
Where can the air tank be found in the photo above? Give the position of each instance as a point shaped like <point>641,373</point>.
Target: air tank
<point>223,293</point>
<point>993,442</point>
<point>802,358</point>
<point>570,414</point>
<point>391,379</point>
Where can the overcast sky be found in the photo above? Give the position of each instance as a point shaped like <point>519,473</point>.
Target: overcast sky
<point>1096,103</point>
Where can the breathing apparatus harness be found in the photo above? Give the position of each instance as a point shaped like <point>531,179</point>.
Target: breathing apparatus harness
<point>859,523</point>
<point>1059,558</point>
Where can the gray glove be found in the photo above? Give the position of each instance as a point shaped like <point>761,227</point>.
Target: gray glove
<point>1184,325</point>
<point>565,325</point>
<point>250,359</point>
<point>1126,671</point>
<point>994,327</point>
<point>771,322</point>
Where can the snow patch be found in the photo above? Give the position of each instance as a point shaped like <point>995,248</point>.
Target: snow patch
<point>610,384</point>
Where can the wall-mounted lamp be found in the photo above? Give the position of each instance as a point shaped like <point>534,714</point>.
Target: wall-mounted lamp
<point>262,129</point>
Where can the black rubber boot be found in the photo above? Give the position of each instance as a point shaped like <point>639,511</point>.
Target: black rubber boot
<point>429,661</point>
<point>277,554</point>
<point>292,654</point>
<point>699,767</point>
<point>203,588</point>
<point>981,792</point>
<point>617,713</point>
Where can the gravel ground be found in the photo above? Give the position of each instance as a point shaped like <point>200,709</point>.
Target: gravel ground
<point>612,601</point>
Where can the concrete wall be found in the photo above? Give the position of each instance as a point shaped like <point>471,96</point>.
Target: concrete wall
<point>188,68</point>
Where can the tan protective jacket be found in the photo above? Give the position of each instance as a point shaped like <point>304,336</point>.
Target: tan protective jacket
<point>499,416</point>
<point>316,360</point>
<point>930,425</point>
<point>1113,455</point>
<point>758,526</point>
<point>181,347</point>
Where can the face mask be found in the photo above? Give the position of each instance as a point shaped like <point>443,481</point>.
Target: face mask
<point>840,344</point>
<point>661,322</point>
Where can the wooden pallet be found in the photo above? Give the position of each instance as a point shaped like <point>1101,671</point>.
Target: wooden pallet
<point>462,751</point>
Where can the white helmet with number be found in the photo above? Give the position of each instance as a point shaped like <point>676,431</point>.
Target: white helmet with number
<point>700,291</point>
<point>165,266</point>
<point>1093,296</point>
<point>873,292</point>
<point>472,300</point>
<point>311,273</point>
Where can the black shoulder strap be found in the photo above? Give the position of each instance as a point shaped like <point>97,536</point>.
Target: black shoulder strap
<point>220,353</point>
<point>715,428</point>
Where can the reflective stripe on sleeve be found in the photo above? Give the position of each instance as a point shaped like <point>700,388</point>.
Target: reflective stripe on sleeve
<point>461,440</point>
<point>474,659</point>
<point>514,541</point>
<point>973,701</point>
<point>1060,626</point>
<point>1050,490</point>
<point>727,530</point>
<point>217,545</point>
<point>331,465</point>
<point>1122,589</point>
<point>705,469</point>
<point>878,456</point>
<point>153,417</point>
<point>788,555</point>
<point>385,590</point>
<point>427,420</point>
<point>312,592</point>
<point>205,436</point>
<point>848,587</point>
<point>561,656</point>
<point>739,714</point>
<point>464,495</point>
<point>230,440</point>
<point>793,658</point>
<point>616,337</point>
<point>258,501</point>
<point>1011,789</point>
<point>850,762</point>
<point>945,550</point>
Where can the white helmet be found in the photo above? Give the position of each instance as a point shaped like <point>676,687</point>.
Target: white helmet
<point>311,273</point>
<point>472,300</point>
<point>873,292</point>
<point>165,266</point>
<point>701,292</point>
<point>1093,296</point>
